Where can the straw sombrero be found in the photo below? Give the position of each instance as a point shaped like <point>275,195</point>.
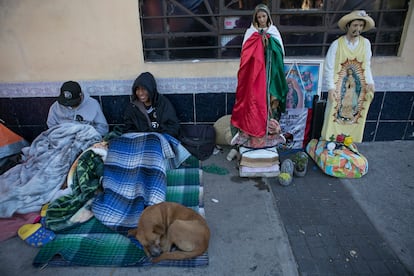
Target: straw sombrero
<point>357,15</point>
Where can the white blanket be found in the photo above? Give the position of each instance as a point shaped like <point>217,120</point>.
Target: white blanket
<point>28,186</point>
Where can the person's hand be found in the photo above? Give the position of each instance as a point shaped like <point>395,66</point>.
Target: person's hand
<point>265,40</point>
<point>370,92</point>
<point>370,88</point>
<point>274,127</point>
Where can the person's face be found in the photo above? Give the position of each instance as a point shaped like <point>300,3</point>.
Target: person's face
<point>142,95</point>
<point>262,17</point>
<point>355,28</point>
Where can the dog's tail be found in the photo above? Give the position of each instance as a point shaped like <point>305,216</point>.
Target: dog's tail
<point>178,255</point>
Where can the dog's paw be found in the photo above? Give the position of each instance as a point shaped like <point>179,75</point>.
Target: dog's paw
<point>155,260</point>
<point>132,232</point>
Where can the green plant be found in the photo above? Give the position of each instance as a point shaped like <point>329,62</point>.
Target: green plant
<point>285,179</point>
<point>285,176</point>
<point>301,161</point>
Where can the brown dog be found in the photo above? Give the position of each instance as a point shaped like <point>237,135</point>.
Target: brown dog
<point>166,224</point>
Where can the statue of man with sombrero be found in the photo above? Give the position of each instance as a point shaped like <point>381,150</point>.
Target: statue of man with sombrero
<point>349,79</point>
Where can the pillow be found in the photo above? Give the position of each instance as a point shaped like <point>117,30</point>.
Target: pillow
<point>223,131</point>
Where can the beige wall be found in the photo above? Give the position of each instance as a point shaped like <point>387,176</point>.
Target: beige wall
<point>52,40</point>
<point>402,65</point>
<point>55,40</point>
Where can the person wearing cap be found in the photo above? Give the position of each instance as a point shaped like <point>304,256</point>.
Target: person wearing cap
<point>75,105</point>
<point>150,111</point>
<point>349,80</point>
<point>261,84</point>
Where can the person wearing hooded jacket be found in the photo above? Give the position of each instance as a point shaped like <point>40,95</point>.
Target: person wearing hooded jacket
<point>72,105</point>
<point>150,111</point>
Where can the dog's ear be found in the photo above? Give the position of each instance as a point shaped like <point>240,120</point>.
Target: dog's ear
<point>158,229</point>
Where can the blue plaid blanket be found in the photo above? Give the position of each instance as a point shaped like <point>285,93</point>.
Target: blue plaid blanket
<point>93,244</point>
<point>135,176</point>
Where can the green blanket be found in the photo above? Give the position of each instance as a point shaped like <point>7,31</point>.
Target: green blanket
<point>93,244</point>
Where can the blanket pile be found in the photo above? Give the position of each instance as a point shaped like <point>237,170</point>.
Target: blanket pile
<point>135,177</point>
<point>28,186</point>
<point>93,244</point>
<point>84,179</point>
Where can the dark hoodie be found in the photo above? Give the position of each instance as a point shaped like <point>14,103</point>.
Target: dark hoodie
<point>136,118</point>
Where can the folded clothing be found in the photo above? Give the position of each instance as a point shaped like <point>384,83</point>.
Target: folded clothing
<point>258,158</point>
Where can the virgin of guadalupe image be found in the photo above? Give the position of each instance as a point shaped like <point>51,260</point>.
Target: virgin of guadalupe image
<point>348,75</point>
<point>294,98</point>
<point>350,91</point>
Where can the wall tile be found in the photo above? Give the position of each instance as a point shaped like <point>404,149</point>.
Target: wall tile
<point>29,133</point>
<point>8,113</point>
<point>113,108</point>
<point>27,116</point>
<point>375,107</point>
<point>210,107</point>
<point>184,106</point>
<point>390,131</point>
<point>32,111</point>
<point>397,106</point>
<point>231,99</point>
<point>369,131</point>
<point>409,134</point>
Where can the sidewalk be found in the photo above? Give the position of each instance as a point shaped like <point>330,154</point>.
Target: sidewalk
<point>354,226</point>
<point>386,194</point>
<point>247,235</point>
<point>319,225</point>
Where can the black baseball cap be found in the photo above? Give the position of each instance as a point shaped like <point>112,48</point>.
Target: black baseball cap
<point>70,94</point>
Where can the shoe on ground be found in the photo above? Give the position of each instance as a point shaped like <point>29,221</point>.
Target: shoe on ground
<point>35,234</point>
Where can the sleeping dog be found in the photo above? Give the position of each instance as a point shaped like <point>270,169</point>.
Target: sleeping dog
<point>167,224</point>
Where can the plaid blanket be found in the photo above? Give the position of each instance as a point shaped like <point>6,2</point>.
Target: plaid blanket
<point>135,177</point>
<point>93,244</point>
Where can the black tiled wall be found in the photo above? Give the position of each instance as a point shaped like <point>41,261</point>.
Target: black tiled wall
<point>390,116</point>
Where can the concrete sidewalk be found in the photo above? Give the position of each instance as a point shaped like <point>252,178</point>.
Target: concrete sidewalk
<point>247,235</point>
<point>353,226</point>
<point>261,228</point>
<point>386,194</point>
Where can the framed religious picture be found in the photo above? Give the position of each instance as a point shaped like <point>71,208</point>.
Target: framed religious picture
<point>304,80</point>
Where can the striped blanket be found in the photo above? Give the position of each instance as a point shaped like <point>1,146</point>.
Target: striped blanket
<point>93,244</point>
<point>135,176</point>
